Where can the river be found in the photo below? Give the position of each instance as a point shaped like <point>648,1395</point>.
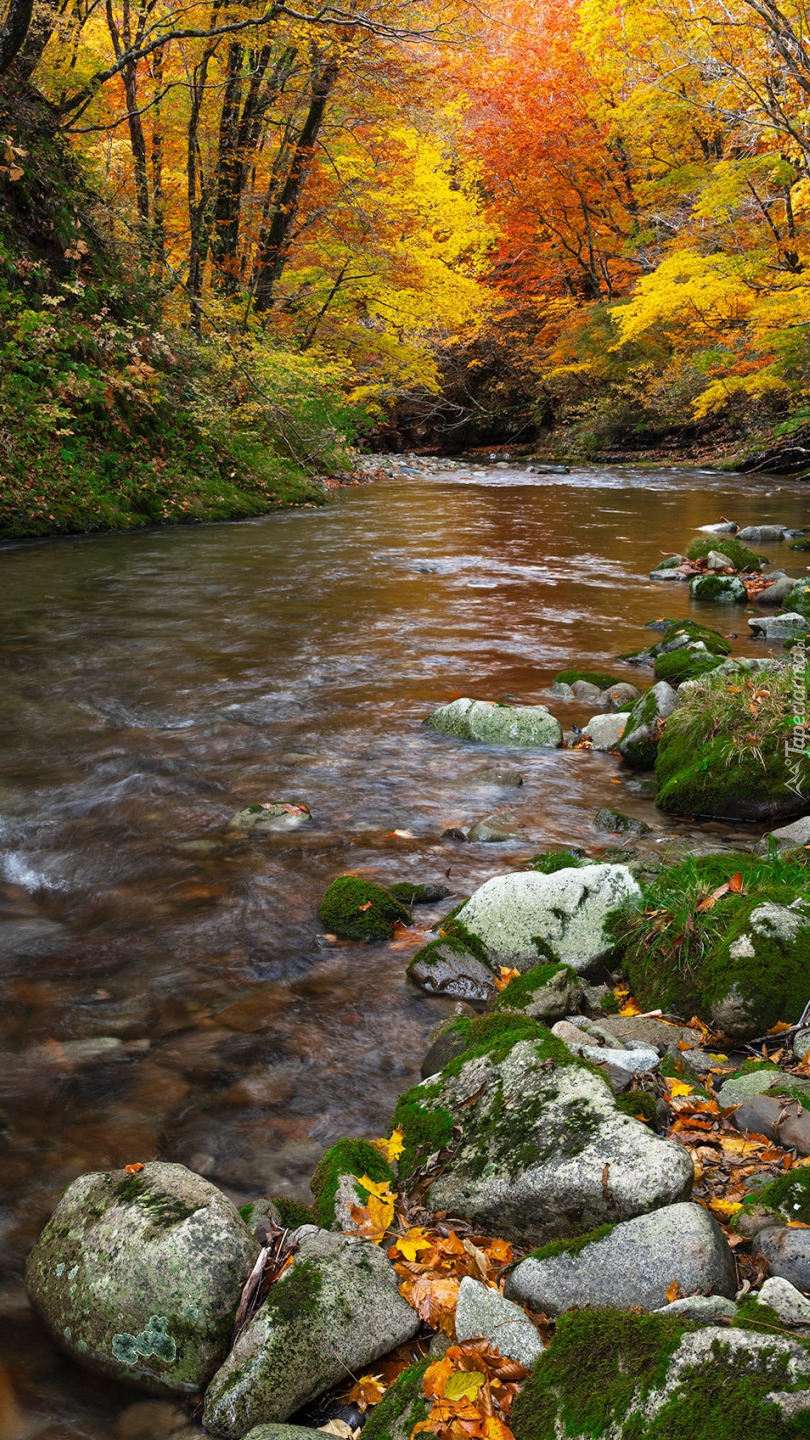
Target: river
<point>154,683</point>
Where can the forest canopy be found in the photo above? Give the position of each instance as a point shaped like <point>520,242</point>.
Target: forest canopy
<point>557,216</point>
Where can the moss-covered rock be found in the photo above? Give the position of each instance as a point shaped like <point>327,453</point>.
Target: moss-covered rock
<point>639,743</point>
<point>456,963</point>
<point>355,909</point>
<point>786,1198</point>
<point>402,1407</point>
<point>610,1375</point>
<point>139,1276</point>
<point>410,893</point>
<point>548,862</point>
<point>724,751</point>
<point>600,678</point>
<point>546,992</point>
<point>718,589</point>
<point>335,1184</point>
<point>272,815</point>
<point>743,963</point>
<point>679,633</point>
<point>798,599</point>
<point>685,664</point>
<point>336,1309</point>
<point>738,555</point>
<point>519,1130</point>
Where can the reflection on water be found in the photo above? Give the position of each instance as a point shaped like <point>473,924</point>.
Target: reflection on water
<point>166,988</point>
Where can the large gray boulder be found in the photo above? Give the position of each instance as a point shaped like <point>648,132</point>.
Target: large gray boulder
<point>539,1150</point>
<point>790,837</point>
<point>482,1312</point>
<point>605,731</point>
<point>776,593</point>
<point>332,1313</point>
<point>788,626</point>
<point>139,1276</point>
<point>718,589</point>
<point>525,917</point>
<point>634,1264</point>
<point>493,724</point>
<point>761,534</point>
<point>787,1251</point>
<point>638,744</point>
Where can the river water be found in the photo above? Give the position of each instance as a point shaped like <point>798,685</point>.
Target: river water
<point>166,988</point>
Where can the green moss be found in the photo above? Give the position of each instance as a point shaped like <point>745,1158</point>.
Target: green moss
<point>548,862</point>
<point>572,1247</point>
<point>293,1213</point>
<point>520,992</point>
<point>592,677</point>
<point>772,982</point>
<point>685,664</point>
<point>677,957</point>
<point>496,1034</point>
<point>355,909</point>
<point>409,892</point>
<point>347,1157</point>
<point>296,1294</point>
<point>798,600</point>
<point>638,1103</point>
<point>598,1361</point>
<point>402,1407</point>
<point>788,1196</point>
<point>163,1210</point>
<point>425,1128</point>
<point>753,1067</point>
<point>739,556</point>
<point>712,639</point>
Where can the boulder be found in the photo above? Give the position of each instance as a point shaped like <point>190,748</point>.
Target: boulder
<point>271,815</point>
<point>615,822</point>
<point>718,589</point>
<point>491,724</point>
<point>561,917</point>
<point>634,1263</point>
<point>613,1376</point>
<point>781,1118</point>
<point>761,534</point>
<point>776,593</point>
<point>757,975</point>
<point>138,1276</point>
<point>721,527</point>
<point>495,829</point>
<point>446,1042</point>
<point>791,1306</point>
<point>716,560</point>
<point>482,1312</point>
<point>520,1133</point>
<point>445,966</point>
<point>790,837</point>
<point>788,1254</point>
<point>647,1030</point>
<point>332,1313</point>
<point>605,731</point>
<point>621,697</point>
<point>742,1087</point>
<point>283,1432</point>
<point>355,909</point>
<point>787,626</point>
<point>639,742</point>
<point>546,992</point>
<point>701,1309</point>
<point>669,569</point>
<point>584,690</point>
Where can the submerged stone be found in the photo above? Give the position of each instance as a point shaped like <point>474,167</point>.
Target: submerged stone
<point>492,724</point>
<point>139,1276</point>
<point>271,815</point>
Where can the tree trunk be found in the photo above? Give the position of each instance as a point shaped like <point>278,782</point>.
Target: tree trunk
<point>14,31</point>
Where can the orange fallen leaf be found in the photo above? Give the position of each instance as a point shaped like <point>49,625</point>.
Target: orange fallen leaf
<point>368,1390</point>
<point>505,976</point>
<point>367,906</point>
<point>132,1169</point>
<point>673,1292</point>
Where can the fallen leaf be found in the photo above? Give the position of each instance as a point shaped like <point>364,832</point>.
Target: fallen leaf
<point>132,1169</point>
<point>505,977</point>
<point>411,1244</point>
<point>677,1087</point>
<point>368,1390</point>
<point>725,1208</point>
<point>337,1427</point>
<point>673,1292</point>
<point>464,1384</point>
<point>367,906</point>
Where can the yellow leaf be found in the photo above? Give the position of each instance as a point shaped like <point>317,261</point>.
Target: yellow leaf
<point>375,1187</point>
<point>412,1242</point>
<point>673,1292</point>
<point>464,1383</point>
<point>678,1087</point>
<point>725,1207</point>
<point>742,1147</point>
<point>393,1147</point>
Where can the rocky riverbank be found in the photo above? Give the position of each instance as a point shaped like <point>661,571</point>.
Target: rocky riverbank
<point>592,1217</point>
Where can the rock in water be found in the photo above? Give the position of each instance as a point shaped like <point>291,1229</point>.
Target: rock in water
<point>271,815</point>
<point>492,724</point>
<point>632,1264</point>
<point>523,918</point>
<point>332,1313</point>
<point>139,1276</point>
<point>787,626</point>
<point>639,743</point>
<point>605,731</point>
<point>530,1144</point>
<point>719,589</point>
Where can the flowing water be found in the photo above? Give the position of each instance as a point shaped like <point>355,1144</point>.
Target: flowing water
<point>166,988</point>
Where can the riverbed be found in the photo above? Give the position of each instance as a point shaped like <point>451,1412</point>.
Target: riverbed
<point>166,986</point>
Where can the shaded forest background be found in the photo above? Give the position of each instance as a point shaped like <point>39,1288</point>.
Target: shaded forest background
<point>237,238</point>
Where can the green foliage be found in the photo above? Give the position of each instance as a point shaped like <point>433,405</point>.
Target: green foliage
<point>346,1157</point>
<point>788,1196</point>
<point>739,556</point>
<point>677,957</point>
<point>355,909</point>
